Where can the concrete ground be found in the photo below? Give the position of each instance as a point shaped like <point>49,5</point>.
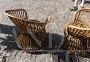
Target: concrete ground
<point>36,9</point>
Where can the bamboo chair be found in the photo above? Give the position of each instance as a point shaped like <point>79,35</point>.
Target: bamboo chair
<point>32,35</point>
<point>77,33</point>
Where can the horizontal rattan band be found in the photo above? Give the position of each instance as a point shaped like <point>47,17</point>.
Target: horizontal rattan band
<point>80,28</point>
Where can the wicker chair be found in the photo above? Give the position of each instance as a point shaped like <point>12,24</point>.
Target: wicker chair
<point>77,33</point>
<point>32,35</point>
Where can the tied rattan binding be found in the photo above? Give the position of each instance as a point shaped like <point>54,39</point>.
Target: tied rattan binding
<point>32,35</point>
<point>77,33</point>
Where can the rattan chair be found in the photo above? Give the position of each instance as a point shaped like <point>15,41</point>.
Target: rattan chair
<point>32,35</point>
<point>77,33</point>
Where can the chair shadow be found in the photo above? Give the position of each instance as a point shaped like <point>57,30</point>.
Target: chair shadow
<point>56,40</point>
<point>9,40</point>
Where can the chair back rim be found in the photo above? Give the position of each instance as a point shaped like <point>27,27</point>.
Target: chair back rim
<point>47,21</point>
<point>78,13</point>
<point>80,28</point>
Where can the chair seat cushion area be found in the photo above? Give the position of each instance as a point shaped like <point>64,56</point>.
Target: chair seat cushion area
<point>80,29</point>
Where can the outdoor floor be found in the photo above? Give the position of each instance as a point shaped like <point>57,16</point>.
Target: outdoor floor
<point>36,9</point>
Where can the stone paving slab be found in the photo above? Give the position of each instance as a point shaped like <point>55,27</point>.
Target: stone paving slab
<point>36,9</point>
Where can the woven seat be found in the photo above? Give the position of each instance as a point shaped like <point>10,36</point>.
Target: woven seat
<point>77,33</point>
<point>32,33</point>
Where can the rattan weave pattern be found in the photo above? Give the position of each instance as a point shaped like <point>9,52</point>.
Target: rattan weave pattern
<point>77,32</point>
<point>77,58</point>
<point>27,27</point>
